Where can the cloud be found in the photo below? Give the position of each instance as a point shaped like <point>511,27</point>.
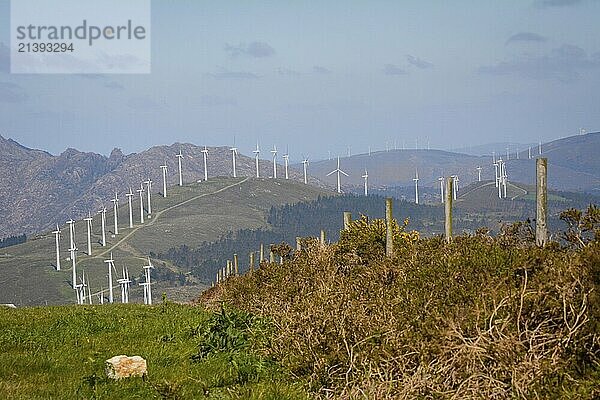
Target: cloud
<point>12,93</point>
<point>391,69</point>
<point>317,69</point>
<point>563,64</point>
<point>225,74</point>
<point>556,3</point>
<point>526,37</point>
<point>417,62</point>
<point>4,58</point>
<point>253,49</point>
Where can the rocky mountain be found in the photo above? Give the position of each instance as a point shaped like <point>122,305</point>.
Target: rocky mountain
<point>39,190</point>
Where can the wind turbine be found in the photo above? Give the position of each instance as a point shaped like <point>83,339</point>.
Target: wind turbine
<point>89,289</point>
<point>233,154</point>
<point>478,174</point>
<point>286,159</point>
<point>454,186</point>
<point>164,173</point>
<point>493,157</point>
<point>147,286</point>
<point>529,152</point>
<point>115,202</point>
<point>129,196</point>
<point>124,283</point>
<point>111,266</point>
<point>416,179</point>
<point>57,240</point>
<point>305,165</point>
<point>540,148</point>
<point>496,165</point>
<point>149,188</point>
<point>366,178</point>
<point>103,214</point>
<point>204,155</point>
<point>88,221</point>
<point>441,179</point>
<point>338,171</point>
<point>179,157</point>
<point>73,250</point>
<point>256,154</point>
<point>274,152</point>
<point>71,224</point>
<point>141,192</point>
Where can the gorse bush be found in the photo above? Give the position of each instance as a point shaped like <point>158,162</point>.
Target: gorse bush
<point>481,317</point>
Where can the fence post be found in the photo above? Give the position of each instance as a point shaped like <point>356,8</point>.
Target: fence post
<point>323,237</point>
<point>262,253</point>
<point>448,208</point>
<point>347,219</point>
<point>236,269</point>
<point>389,235</point>
<point>541,227</point>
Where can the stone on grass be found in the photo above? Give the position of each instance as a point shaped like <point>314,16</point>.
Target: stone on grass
<point>122,366</point>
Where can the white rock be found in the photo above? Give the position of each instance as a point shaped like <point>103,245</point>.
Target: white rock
<point>122,366</point>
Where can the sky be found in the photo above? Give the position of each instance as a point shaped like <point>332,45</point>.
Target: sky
<point>322,76</point>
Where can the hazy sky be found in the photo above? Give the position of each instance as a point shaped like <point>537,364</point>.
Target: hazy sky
<point>322,75</point>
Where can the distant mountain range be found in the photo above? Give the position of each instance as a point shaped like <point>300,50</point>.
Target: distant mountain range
<point>39,190</point>
<point>573,165</point>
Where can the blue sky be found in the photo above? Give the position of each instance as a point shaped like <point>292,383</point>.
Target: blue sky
<point>321,76</point>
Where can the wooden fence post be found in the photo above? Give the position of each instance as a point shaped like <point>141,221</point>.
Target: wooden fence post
<point>448,208</point>
<point>541,226</point>
<point>389,235</point>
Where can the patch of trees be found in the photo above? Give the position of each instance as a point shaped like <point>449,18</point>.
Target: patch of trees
<point>12,240</point>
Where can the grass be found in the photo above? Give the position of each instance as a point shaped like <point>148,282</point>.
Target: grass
<point>59,353</point>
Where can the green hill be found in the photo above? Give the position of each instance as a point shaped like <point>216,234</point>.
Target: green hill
<point>189,215</point>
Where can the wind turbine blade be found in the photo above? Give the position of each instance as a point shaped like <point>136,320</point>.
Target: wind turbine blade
<point>342,172</point>
<point>331,173</point>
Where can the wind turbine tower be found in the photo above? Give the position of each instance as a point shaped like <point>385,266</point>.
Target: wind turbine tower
<point>305,166</point>
<point>179,157</point>
<point>149,188</point>
<point>286,159</point>
<point>115,202</point>
<point>496,164</point>
<point>57,240</point>
<point>129,196</point>
<point>529,152</point>
<point>147,285</point>
<point>274,152</point>
<point>478,174</point>
<point>73,250</point>
<point>124,283</point>
<point>338,171</point>
<point>540,148</point>
<point>416,179</point>
<point>141,192</point>
<point>103,215</point>
<point>71,224</point>
<point>366,178</point>
<point>233,154</point>
<point>164,173</point>
<point>256,159</point>
<point>111,266</point>
<point>441,179</point>
<point>204,155</point>
<point>88,221</point>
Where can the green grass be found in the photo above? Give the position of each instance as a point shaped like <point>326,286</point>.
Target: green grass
<point>59,353</point>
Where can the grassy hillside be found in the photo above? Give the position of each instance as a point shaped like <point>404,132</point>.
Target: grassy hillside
<point>59,353</point>
<point>189,215</point>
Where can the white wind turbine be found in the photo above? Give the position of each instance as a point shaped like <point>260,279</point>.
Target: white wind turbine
<point>130,195</point>
<point>141,192</point>
<point>102,212</point>
<point>286,159</point>
<point>179,157</point>
<point>366,178</point>
<point>416,179</point>
<point>233,154</point>
<point>540,148</point>
<point>305,166</point>
<point>204,155</point>
<point>88,221</point>
<point>493,157</point>
<point>164,174</point>
<point>124,283</point>
<point>73,254</point>
<point>115,202</point>
<point>478,174</point>
<point>274,152</point>
<point>338,171</point>
<point>80,290</point>
<point>529,152</point>
<point>148,183</point>
<point>71,224</point>
<point>441,179</point>
<point>496,164</point>
<point>89,289</point>
<point>454,186</point>
<point>57,240</point>
<point>111,266</point>
<point>147,285</point>
<point>256,154</point>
